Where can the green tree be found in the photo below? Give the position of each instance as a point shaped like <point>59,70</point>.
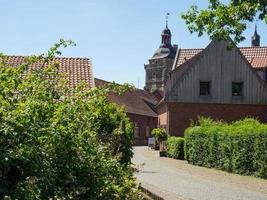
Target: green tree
<point>57,143</point>
<point>221,20</point>
<point>160,135</point>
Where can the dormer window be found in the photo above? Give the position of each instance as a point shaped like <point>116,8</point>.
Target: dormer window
<point>237,89</point>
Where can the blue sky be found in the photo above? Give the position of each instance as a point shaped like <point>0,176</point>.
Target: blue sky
<point>118,35</point>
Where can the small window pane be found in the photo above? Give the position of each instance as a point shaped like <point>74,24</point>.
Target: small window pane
<point>237,88</point>
<point>204,88</point>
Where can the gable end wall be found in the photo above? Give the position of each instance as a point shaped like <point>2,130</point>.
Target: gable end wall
<point>221,67</point>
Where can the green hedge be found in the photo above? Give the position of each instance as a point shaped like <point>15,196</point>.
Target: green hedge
<point>175,147</point>
<point>239,147</point>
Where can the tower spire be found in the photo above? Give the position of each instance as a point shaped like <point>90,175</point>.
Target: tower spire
<point>167,19</point>
<point>166,33</point>
<point>255,39</point>
<point>255,32</point>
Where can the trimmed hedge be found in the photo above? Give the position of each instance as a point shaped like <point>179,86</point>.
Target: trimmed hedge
<point>175,147</point>
<point>239,147</point>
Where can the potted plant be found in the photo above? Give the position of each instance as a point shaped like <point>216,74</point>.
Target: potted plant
<point>161,136</point>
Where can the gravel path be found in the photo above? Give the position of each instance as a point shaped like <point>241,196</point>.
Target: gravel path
<point>175,179</point>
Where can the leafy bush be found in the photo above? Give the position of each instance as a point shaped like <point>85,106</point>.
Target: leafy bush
<point>175,147</point>
<point>57,143</point>
<point>239,147</point>
<point>159,134</point>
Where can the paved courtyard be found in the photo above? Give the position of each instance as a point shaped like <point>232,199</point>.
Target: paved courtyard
<point>177,180</point>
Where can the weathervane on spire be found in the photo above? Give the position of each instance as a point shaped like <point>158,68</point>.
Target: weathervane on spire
<point>167,18</point>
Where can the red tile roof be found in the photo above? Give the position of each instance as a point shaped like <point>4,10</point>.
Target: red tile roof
<point>258,63</point>
<point>186,54</point>
<point>76,69</point>
<point>250,52</point>
<point>138,101</point>
<point>257,56</point>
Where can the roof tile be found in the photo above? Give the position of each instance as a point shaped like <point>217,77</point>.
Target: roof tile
<point>257,56</point>
<point>137,101</point>
<point>76,69</point>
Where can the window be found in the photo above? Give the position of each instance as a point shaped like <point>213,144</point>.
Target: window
<point>237,88</point>
<point>147,131</point>
<point>204,88</point>
<point>136,130</point>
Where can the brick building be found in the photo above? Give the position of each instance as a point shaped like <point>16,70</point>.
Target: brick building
<point>182,84</point>
<point>139,106</point>
<point>215,82</point>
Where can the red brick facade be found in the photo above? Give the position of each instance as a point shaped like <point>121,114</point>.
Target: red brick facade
<point>180,114</point>
<point>143,126</point>
<point>139,106</point>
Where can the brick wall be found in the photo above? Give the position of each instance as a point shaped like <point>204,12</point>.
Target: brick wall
<point>143,122</point>
<point>162,115</point>
<point>163,119</point>
<point>180,114</point>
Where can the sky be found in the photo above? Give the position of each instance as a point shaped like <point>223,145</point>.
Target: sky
<point>119,36</point>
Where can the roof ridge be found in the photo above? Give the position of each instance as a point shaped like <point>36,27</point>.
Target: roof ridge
<point>258,47</point>
<point>137,89</point>
<point>248,47</point>
<point>76,58</point>
<point>191,48</point>
<point>83,58</point>
<point>99,79</point>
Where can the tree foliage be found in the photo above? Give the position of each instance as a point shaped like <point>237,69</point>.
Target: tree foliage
<point>221,20</point>
<point>160,134</point>
<point>57,143</point>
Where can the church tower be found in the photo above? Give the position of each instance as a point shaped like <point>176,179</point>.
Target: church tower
<point>255,39</point>
<point>161,62</point>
